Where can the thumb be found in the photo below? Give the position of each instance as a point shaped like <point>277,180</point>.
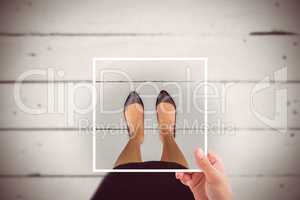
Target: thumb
<point>204,164</point>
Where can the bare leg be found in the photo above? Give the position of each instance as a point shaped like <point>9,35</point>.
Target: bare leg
<point>171,152</point>
<point>130,153</point>
<point>135,120</point>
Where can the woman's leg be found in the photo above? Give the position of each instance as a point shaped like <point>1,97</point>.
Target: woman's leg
<point>166,113</point>
<point>130,153</point>
<point>134,115</point>
<point>171,151</point>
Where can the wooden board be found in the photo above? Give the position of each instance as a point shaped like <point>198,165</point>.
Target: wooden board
<point>229,58</point>
<point>43,156</point>
<point>229,105</point>
<point>218,17</point>
<point>245,153</point>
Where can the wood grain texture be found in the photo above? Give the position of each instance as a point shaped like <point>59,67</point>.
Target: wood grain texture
<point>245,153</point>
<point>229,105</point>
<point>229,58</point>
<point>218,17</point>
<point>44,156</point>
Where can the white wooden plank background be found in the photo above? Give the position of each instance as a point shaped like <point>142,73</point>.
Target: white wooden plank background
<point>170,17</point>
<point>227,56</point>
<point>238,112</point>
<point>70,152</point>
<point>43,158</point>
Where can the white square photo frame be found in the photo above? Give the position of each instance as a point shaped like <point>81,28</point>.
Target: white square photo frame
<point>94,95</point>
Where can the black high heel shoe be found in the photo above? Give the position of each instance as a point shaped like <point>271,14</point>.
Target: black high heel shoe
<point>132,98</point>
<point>164,97</point>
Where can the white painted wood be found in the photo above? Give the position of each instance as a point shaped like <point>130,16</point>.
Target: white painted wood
<point>33,96</point>
<point>180,17</point>
<point>218,30</point>
<point>229,58</point>
<point>247,188</point>
<point>265,188</point>
<point>246,153</point>
<point>45,152</point>
<point>73,109</point>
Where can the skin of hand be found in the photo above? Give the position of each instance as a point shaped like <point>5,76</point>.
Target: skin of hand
<point>211,183</point>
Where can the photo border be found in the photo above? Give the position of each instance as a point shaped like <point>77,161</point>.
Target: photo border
<point>95,59</point>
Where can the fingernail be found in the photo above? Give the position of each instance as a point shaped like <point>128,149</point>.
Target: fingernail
<point>179,175</point>
<point>199,153</point>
